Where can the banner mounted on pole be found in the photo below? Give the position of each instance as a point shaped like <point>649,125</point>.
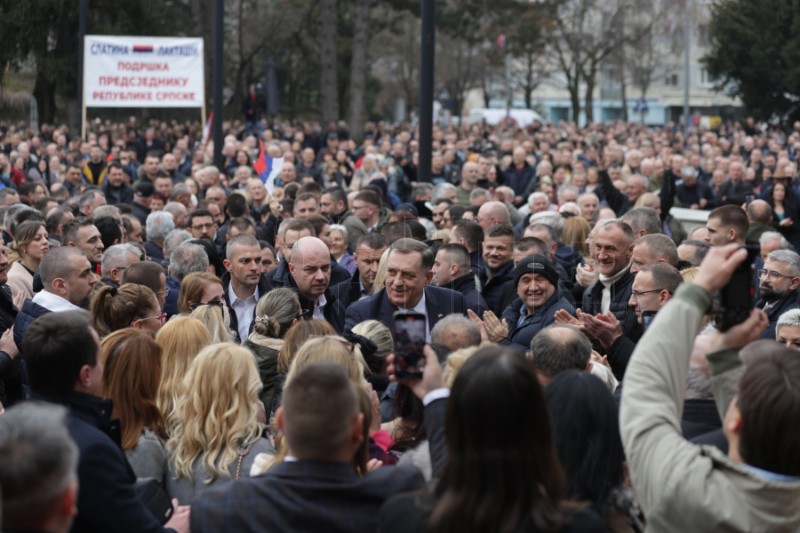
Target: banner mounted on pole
<point>143,72</point>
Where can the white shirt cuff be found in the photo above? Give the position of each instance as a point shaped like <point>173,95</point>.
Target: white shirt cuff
<point>435,394</point>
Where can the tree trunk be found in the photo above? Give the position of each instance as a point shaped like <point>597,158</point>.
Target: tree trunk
<point>329,89</point>
<point>624,95</point>
<point>359,69</point>
<point>529,74</point>
<point>44,91</point>
<point>588,107</point>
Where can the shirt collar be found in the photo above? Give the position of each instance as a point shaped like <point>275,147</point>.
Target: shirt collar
<point>233,298</point>
<point>420,307</point>
<point>53,302</point>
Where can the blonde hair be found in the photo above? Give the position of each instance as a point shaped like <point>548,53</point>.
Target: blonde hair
<point>217,417</point>
<point>180,339</point>
<point>332,349</point>
<point>576,231</point>
<point>380,276</point>
<point>216,318</point>
<point>296,336</point>
<point>381,335</point>
<point>275,312</point>
<point>455,361</point>
<point>648,199</point>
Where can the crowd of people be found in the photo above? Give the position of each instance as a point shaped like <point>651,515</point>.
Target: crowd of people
<point>184,349</point>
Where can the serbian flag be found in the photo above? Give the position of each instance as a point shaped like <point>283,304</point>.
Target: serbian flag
<point>267,168</point>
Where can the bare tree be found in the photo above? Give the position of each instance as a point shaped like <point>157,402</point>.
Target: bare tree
<point>329,89</point>
<point>359,67</point>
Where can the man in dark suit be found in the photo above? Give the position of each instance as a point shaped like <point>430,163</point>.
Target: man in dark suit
<point>368,252</point>
<point>310,276</point>
<point>451,270</point>
<point>315,488</point>
<point>64,366</point>
<point>408,271</point>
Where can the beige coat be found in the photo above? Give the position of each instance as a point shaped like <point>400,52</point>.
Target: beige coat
<point>682,486</point>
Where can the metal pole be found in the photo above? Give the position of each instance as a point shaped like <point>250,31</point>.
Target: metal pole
<point>216,127</point>
<point>82,8</point>
<point>427,48</point>
<point>509,92</point>
<point>687,38</point>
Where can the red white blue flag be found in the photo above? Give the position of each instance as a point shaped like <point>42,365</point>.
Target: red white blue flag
<point>268,168</point>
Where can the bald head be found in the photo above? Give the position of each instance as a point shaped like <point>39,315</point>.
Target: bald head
<point>307,246</point>
<point>492,214</point>
<point>759,212</point>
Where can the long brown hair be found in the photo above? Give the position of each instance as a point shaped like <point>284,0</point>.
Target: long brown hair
<point>113,309</point>
<point>502,472</point>
<point>192,288</point>
<point>131,378</point>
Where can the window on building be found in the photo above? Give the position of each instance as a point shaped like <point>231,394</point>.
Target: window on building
<point>671,80</point>
<point>706,78</point>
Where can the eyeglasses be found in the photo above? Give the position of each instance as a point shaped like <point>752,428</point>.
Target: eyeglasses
<point>162,317</point>
<point>639,294</point>
<point>217,303</point>
<point>165,293</point>
<point>771,274</point>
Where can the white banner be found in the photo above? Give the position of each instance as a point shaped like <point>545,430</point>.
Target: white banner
<point>143,72</point>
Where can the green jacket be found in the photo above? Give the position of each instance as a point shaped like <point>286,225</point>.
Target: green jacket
<point>682,486</point>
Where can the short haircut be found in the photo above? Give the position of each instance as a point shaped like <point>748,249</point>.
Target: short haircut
<point>532,245</point>
<point>69,233</point>
<point>305,196</point>
<point>54,219</point>
<point>370,197</point>
<point>56,264</point>
<point>394,231</point>
<point>559,348</point>
<point>551,232</point>
<point>789,257</point>
<point>622,226</point>
<point>789,318</point>
<point>500,230</point>
<point>731,216</point>
<point>337,194</point>
<point>237,205</point>
<point>759,213</point>
<point>769,398</point>
<point>187,258</point>
<point>113,255</point>
<point>467,331</point>
<point>145,273</point>
<point>767,235</point>
<point>408,246</point>
<point>439,191</point>
<point>373,240</point>
<point>296,224</point>
<point>174,239</point>
<point>88,197</point>
<point>643,218</point>
<point>109,229</point>
<point>238,241</point>
<point>665,276</point>
<point>38,461</point>
<point>199,213</point>
<point>700,251</point>
<point>319,405</point>
<point>470,231</point>
<point>457,254</point>
<point>660,246</point>
<point>56,347</point>
<point>552,219</point>
<point>158,224</point>
<point>242,224</point>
